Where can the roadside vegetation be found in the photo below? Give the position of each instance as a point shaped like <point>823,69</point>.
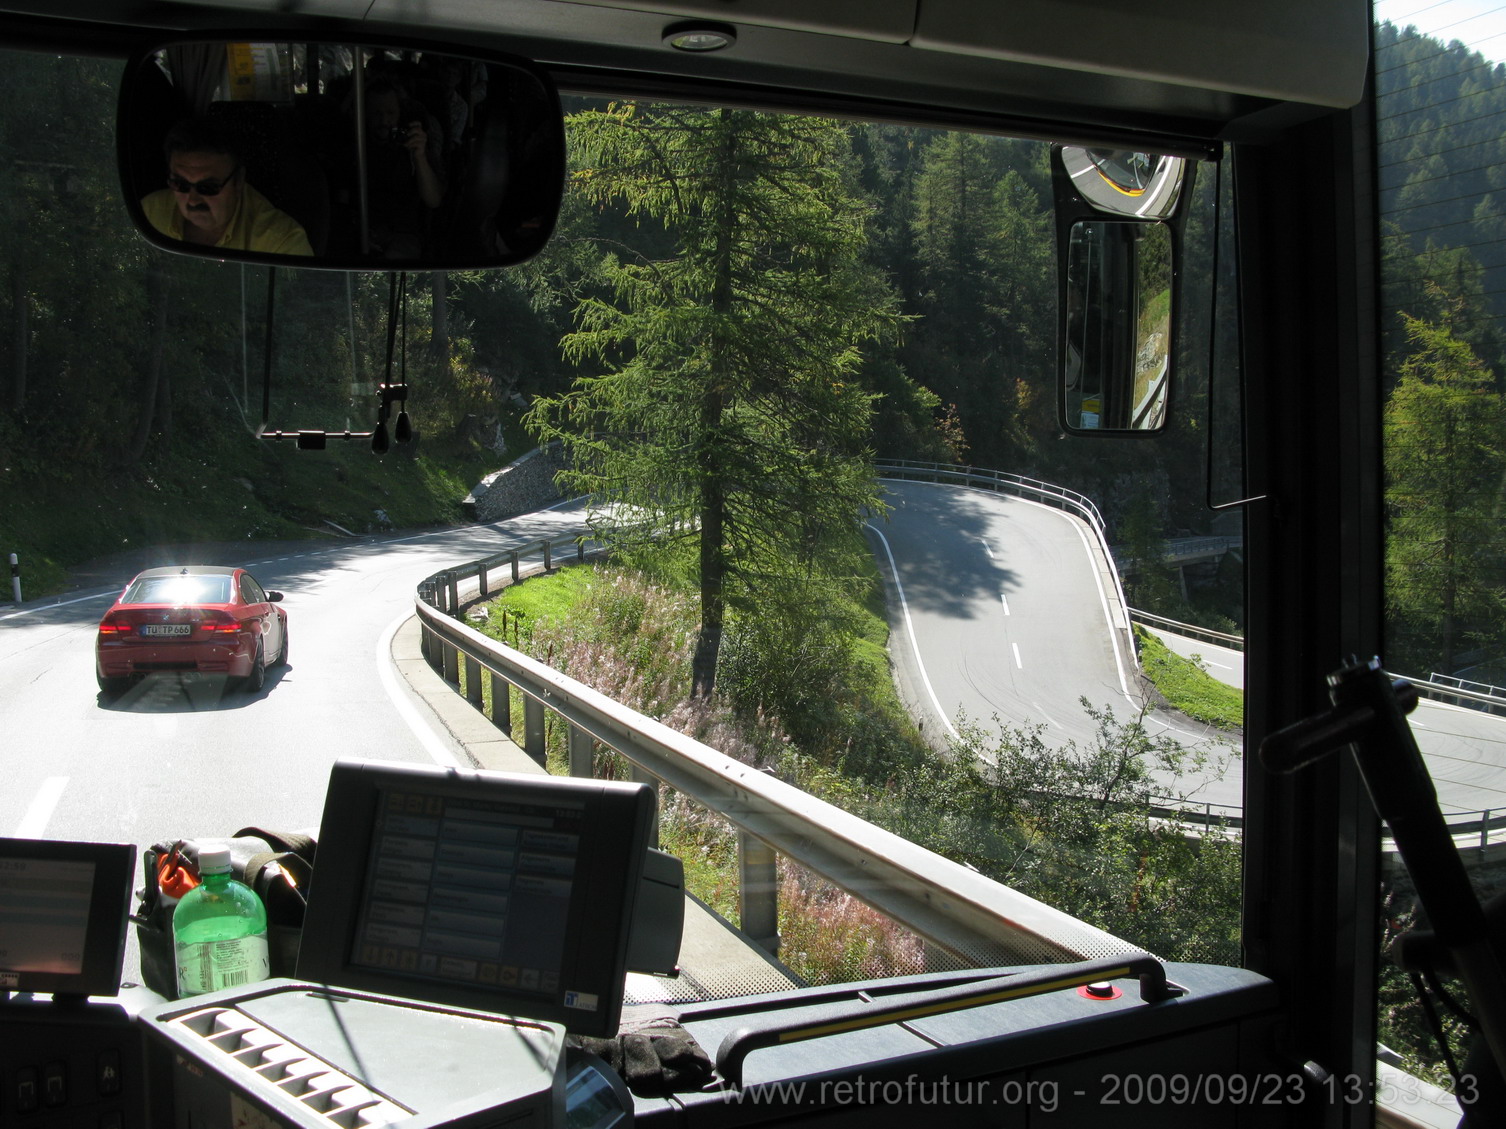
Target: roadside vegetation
<point>1188,687</point>
<point>1068,825</point>
<point>224,489</point>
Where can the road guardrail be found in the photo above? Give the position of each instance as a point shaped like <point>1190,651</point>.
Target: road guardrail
<point>979,921</point>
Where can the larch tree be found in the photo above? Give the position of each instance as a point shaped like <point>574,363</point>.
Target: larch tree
<point>730,411</point>
<point>1444,483</point>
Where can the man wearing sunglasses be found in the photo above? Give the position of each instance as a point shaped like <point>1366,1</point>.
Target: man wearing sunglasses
<point>208,202</point>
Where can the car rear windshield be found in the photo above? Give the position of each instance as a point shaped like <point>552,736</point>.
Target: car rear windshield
<point>179,590</point>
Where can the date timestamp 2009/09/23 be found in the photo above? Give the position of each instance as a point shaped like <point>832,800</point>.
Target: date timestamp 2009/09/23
<point>1263,1089</point>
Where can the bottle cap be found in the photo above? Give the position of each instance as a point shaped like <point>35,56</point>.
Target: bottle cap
<point>214,860</point>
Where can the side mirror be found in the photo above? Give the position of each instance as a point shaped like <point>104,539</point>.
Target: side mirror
<point>338,155</point>
<point>1118,239</point>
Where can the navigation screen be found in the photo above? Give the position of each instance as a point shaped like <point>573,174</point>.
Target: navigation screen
<point>468,891</point>
<point>44,916</point>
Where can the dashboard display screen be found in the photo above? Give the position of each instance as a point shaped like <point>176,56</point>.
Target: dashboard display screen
<point>500,892</point>
<point>63,914</point>
<point>468,890</point>
<point>44,915</point>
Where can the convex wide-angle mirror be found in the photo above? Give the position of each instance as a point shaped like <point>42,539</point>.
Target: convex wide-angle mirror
<point>1118,237</point>
<point>340,155</point>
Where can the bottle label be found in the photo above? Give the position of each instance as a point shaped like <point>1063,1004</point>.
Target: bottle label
<point>208,966</point>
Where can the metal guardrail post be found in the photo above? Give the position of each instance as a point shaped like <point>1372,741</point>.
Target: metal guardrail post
<point>501,702</point>
<point>582,746</point>
<point>514,556</point>
<point>453,585</point>
<point>451,668</point>
<point>758,891</point>
<point>640,775</point>
<point>473,672</point>
<point>481,576</point>
<point>548,551</point>
<point>533,729</point>
<point>1484,829</point>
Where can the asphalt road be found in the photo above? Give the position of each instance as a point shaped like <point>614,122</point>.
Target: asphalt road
<point>997,617</point>
<point>1000,616</point>
<point>1465,749</point>
<point>179,756</point>
<point>997,613</point>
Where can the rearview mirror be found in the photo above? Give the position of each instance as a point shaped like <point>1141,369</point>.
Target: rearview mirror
<point>1117,339</point>
<point>1118,235</point>
<point>339,155</point>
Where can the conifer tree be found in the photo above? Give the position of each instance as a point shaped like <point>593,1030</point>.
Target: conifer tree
<point>729,413</point>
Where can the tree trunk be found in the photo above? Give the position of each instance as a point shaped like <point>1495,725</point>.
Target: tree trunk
<point>713,558</point>
<point>439,340</point>
<point>153,395</point>
<point>21,350</point>
<point>713,487</point>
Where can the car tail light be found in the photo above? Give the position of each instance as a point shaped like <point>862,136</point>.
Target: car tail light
<point>114,624</point>
<point>219,623</point>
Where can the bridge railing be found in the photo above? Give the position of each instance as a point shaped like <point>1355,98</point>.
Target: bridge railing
<point>954,908</point>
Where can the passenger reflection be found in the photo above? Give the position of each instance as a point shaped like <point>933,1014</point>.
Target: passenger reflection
<point>208,201</point>
<point>404,183</point>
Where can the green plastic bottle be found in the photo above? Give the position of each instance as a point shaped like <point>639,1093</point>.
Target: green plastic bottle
<point>219,930</point>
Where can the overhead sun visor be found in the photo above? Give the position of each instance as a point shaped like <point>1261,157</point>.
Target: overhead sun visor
<point>1307,51</point>
<point>884,21</point>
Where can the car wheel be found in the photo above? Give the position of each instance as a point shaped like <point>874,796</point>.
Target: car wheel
<point>111,687</point>
<point>258,676</point>
<point>282,654</point>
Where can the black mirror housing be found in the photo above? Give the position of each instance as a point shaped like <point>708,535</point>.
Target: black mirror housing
<point>1119,219</point>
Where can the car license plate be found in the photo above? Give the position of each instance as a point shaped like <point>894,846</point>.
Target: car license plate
<point>167,629</point>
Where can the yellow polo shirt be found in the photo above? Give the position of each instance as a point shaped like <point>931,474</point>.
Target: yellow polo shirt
<point>256,226</point>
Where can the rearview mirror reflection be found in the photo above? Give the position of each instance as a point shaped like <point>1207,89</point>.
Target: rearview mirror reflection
<point>1117,327</point>
<point>275,152</point>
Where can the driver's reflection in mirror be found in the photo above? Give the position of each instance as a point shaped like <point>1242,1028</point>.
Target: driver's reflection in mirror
<point>404,177</point>
<point>208,200</point>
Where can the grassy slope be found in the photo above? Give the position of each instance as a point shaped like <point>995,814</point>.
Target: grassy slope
<point>237,489</point>
<point>1189,688</point>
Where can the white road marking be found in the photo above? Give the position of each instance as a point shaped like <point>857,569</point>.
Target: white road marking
<point>1017,661</point>
<point>59,604</point>
<point>1048,718</point>
<point>1103,600</point>
<point>1003,599</point>
<point>904,607</point>
<point>438,751</point>
<point>33,824</point>
<point>987,550</point>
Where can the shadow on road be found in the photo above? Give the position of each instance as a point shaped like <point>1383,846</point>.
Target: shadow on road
<point>188,692</point>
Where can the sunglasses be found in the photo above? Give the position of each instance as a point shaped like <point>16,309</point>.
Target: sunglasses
<point>207,187</point>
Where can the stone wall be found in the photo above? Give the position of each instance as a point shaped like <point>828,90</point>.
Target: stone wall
<point>525,485</point>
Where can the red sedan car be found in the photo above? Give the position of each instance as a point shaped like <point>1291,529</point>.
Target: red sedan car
<point>200,618</point>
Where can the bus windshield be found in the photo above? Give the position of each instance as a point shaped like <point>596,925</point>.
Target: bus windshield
<point>794,376</point>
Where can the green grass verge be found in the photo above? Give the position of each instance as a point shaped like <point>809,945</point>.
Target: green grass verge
<point>224,488</point>
<point>1188,687</point>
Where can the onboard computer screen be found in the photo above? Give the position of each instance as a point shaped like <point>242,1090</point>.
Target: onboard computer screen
<point>502,892</point>
<point>63,912</point>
